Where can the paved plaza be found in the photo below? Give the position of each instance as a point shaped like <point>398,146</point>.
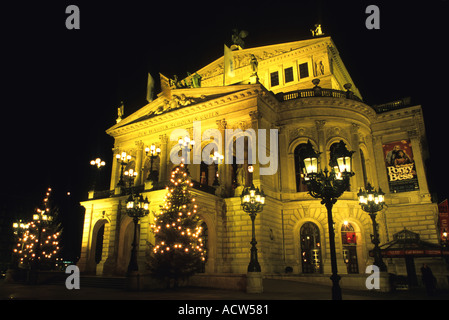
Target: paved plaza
<point>273,290</point>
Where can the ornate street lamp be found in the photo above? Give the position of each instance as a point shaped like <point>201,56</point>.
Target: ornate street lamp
<point>218,159</point>
<point>328,186</point>
<point>123,159</point>
<point>253,201</point>
<point>373,201</point>
<point>130,175</point>
<point>136,208</point>
<point>99,164</point>
<point>153,154</point>
<point>186,145</point>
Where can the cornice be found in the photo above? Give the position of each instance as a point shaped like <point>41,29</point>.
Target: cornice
<point>186,115</point>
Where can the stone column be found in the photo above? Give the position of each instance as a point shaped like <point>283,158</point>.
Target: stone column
<point>419,164</point>
<point>164,158</point>
<point>255,123</point>
<point>379,160</point>
<point>284,159</point>
<point>115,172</point>
<point>322,144</point>
<point>357,181</point>
<point>138,168</point>
<point>225,169</point>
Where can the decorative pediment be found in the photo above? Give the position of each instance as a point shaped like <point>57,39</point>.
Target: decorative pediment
<point>242,58</point>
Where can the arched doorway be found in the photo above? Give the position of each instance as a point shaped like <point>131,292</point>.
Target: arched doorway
<point>99,245</point>
<point>310,248</point>
<point>98,252</point>
<point>126,240</point>
<point>349,244</point>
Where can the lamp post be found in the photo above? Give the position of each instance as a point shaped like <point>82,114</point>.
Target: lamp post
<point>136,208</point>
<point>373,201</point>
<point>98,163</point>
<point>130,175</point>
<point>154,153</point>
<point>252,201</point>
<point>186,145</point>
<point>218,159</point>
<point>123,159</point>
<point>328,186</point>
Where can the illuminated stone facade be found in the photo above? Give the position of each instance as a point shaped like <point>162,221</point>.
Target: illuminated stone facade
<point>292,231</point>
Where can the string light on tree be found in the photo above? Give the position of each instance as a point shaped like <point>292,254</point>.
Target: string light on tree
<point>38,245</point>
<point>179,248</point>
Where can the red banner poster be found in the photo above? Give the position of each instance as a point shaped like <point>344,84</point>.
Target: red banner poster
<point>400,166</point>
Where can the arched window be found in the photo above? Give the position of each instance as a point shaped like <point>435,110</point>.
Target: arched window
<point>300,185</point>
<point>204,174</point>
<point>310,248</point>
<point>349,241</point>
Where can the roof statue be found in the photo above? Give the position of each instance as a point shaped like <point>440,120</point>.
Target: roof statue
<point>317,32</point>
<point>237,39</point>
<point>254,65</point>
<point>120,112</point>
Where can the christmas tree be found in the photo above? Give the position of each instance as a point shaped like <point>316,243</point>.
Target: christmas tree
<point>38,244</point>
<point>178,251</point>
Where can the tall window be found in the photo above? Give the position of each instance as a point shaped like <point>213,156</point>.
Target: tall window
<point>288,74</point>
<point>300,185</point>
<point>274,78</point>
<point>349,241</point>
<point>310,248</point>
<point>303,70</point>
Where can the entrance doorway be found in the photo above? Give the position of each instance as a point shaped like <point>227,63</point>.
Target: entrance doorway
<point>349,241</point>
<point>310,248</point>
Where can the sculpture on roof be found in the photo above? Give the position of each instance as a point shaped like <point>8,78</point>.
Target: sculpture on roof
<point>120,112</point>
<point>237,39</point>
<point>254,65</point>
<point>317,32</point>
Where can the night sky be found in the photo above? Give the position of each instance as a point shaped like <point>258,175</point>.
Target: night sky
<point>61,88</point>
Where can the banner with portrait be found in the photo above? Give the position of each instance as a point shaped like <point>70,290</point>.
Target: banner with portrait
<point>401,170</point>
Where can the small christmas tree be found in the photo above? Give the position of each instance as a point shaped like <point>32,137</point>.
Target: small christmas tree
<point>178,251</point>
<point>38,245</point>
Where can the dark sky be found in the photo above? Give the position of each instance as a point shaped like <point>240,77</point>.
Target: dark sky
<point>61,88</point>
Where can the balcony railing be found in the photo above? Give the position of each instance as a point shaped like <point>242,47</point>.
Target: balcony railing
<point>317,92</point>
<point>158,186</point>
